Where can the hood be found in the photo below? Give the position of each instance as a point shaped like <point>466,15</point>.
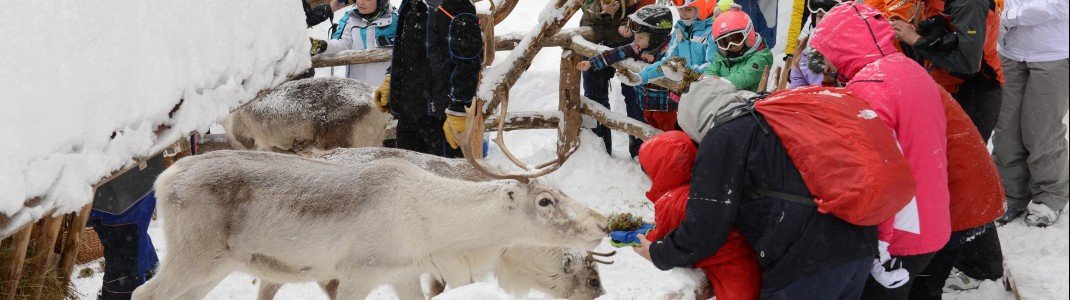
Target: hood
<point>697,25</point>
<point>383,18</point>
<point>710,102</point>
<point>852,36</point>
<point>667,159</point>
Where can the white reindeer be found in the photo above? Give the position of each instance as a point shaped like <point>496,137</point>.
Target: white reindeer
<point>559,272</point>
<point>285,218</point>
<point>309,116</point>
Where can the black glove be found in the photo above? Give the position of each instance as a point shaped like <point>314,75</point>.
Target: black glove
<point>318,46</point>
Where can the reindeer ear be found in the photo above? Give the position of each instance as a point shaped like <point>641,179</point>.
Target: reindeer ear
<point>568,263</point>
<point>511,193</point>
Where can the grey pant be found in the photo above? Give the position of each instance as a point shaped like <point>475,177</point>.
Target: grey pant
<point>1030,146</point>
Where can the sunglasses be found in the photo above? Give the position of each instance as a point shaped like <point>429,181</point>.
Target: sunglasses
<point>731,40</point>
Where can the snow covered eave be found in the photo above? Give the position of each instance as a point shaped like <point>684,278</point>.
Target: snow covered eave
<point>146,74</point>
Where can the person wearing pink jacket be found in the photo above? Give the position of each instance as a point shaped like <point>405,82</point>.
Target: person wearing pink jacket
<point>859,42</point>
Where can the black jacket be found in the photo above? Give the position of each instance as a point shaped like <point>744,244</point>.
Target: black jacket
<point>791,240</point>
<point>318,14</point>
<point>455,50</point>
<point>409,80</point>
<point>957,44</point>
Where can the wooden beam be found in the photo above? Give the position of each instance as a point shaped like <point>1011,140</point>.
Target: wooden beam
<point>44,249</point>
<point>581,45</point>
<point>493,88</point>
<point>505,42</point>
<point>617,121</point>
<point>16,259</point>
<point>72,242</point>
<point>501,11</point>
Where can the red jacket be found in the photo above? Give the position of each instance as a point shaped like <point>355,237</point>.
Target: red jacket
<point>667,159</point>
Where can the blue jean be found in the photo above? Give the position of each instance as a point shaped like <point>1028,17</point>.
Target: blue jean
<point>843,282</point>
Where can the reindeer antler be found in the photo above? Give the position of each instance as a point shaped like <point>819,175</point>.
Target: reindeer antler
<point>591,257</point>
<point>473,139</point>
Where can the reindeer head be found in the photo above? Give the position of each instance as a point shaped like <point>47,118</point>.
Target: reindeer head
<point>551,218</point>
<point>561,273</point>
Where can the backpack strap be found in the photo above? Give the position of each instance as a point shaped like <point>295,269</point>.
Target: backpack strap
<point>757,192</point>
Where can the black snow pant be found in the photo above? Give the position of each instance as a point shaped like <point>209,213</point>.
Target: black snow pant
<point>983,107</point>
<point>129,256</point>
<point>914,264</point>
<point>976,252</point>
<point>843,282</point>
<point>424,134</point>
<point>596,88</point>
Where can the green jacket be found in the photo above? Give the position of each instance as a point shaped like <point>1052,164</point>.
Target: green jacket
<point>745,72</point>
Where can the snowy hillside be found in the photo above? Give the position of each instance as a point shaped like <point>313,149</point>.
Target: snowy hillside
<point>73,73</point>
<point>612,184</point>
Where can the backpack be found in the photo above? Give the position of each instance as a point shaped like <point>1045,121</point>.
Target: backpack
<point>848,158</point>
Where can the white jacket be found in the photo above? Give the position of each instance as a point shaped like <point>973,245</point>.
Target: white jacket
<point>1035,30</point>
<point>359,34</point>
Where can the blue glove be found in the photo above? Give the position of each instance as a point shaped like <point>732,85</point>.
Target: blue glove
<point>629,238</point>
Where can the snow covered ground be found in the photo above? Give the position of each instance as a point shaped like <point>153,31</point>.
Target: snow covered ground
<point>610,184</point>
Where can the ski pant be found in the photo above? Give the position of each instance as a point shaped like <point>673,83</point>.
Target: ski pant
<point>424,134</point>
<point>129,257</point>
<point>914,264</point>
<point>663,120</point>
<point>983,107</point>
<point>976,252</point>
<point>596,88</point>
<point>840,282</point>
<point>1030,145</point>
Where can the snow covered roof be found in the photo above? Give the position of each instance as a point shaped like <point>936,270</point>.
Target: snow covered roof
<point>73,73</point>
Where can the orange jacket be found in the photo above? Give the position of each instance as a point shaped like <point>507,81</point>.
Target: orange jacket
<point>974,184</point>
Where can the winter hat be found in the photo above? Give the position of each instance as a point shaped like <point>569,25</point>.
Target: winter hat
<point>709,103</point>
<point>705,7</point>
<point>852,36</point>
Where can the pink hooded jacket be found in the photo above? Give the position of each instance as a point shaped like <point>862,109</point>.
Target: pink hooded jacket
<point>859,41</point>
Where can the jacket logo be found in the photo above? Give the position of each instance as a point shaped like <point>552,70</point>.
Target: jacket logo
<point>970,30</point>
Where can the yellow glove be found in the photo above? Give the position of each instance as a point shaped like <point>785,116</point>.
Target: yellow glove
<point>454,128</point>
<point>382,95</point>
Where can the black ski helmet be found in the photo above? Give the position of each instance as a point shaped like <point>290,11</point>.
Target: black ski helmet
<point>654,19</point>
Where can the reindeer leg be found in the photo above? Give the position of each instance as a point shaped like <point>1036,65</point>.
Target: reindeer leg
<point>268,290</point>
<point>409,288</point>
<point>179,275</point>
<point>354,288</point>
<point>330,288</point>
<point>209,280</point>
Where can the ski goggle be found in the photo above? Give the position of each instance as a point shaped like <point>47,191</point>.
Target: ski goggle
<point>731,40</point>
<point>822,6</point>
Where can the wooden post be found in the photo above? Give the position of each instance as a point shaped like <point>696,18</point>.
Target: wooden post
<point>9,280</point>
<point>487,23</point>
<point>71,242</point>
<point>764,84</point>
<point>569,101</point>
<point>44,248</point>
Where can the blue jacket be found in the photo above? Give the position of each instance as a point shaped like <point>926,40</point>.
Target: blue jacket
<point>690,42</point>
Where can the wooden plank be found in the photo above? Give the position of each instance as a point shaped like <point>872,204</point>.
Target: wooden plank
<point>71,242</point>
<point>9,279</point>
<point>44,249</point>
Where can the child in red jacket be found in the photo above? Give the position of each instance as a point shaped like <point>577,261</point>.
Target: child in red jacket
<point>667,159</point>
